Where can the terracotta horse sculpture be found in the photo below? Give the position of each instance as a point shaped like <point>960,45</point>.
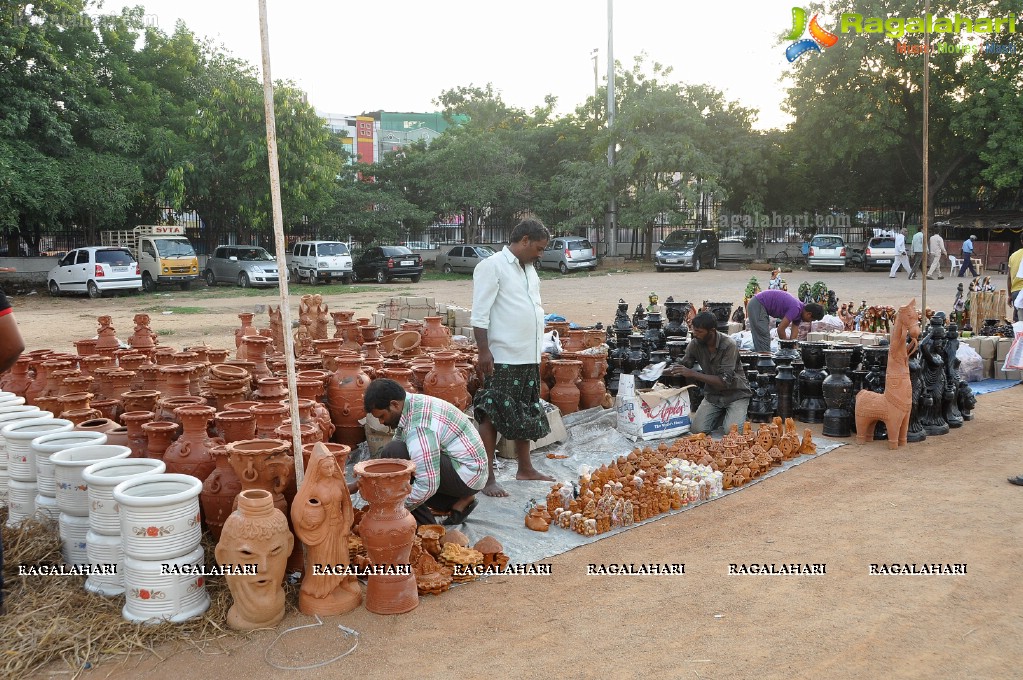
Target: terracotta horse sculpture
<point>895,404</point>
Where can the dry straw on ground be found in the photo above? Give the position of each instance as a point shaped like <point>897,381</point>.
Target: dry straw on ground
<point>53,618</point>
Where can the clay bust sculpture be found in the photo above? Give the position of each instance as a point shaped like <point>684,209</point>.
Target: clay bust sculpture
<point>256,534</point>
<point>894,405</point>
<point>322,515</point>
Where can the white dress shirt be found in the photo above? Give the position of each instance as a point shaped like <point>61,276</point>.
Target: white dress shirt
<point>900,244</point>
<point>506,302</point>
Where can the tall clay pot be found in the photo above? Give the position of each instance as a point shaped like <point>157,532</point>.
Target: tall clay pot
<point>235,426</point>
<point>176,380</point>
<point>256,347</point>
<point>564,394</point>
<point>345,389</point>
<point>256,533</point>
<point>246,329</point>
<point>19,379</point>
<point>219,491</point>
<point>262,464</point>
<point>140,400</point>
<point>107,342</point>
<point>159,435</point>
<point>190,453</point>
<point>434,333</point>
<point>446,382</point>
<point>388,531</point>
<point>592,390</point>
<point>269,416</point>
<point>134,420</point>
<point>402,376</point>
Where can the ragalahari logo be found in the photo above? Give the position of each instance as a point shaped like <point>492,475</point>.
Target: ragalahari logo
<point>818,40</point>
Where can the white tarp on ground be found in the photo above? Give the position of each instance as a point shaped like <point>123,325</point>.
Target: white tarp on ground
<point>593,440</point>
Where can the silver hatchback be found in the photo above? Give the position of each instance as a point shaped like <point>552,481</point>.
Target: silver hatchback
<point>463,258</point>
<point>566,253</point>
<point>826,250</point>
<point>241,265</point>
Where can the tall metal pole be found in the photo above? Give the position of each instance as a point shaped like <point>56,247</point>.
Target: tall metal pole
<point>926,157</point>
<point>612,208</point>
<point>279,243</point>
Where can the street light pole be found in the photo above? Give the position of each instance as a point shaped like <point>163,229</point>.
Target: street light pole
<point>596,87</point>
<point>925,219</point>
<point>612,208</point>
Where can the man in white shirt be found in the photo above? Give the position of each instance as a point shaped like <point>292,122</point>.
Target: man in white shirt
<point>936,248</point>
<point>901,256</point>
<point>507,321</point>
<point>918,253</point>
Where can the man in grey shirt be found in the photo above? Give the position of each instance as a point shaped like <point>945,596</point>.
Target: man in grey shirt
<point>726,392</point>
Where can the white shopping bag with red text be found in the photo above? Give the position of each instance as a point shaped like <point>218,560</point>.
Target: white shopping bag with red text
<point>657,413</point>
<point>1014,359</point>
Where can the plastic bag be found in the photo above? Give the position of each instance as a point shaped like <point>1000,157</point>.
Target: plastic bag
<point>1014,359</point>
<point>827,324</point>
<point>971,365</point>
<point>551,342</point>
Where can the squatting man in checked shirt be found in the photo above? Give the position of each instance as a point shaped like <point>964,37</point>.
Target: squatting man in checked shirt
<point>451,463</point>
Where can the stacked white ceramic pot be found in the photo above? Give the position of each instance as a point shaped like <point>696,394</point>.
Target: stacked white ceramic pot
<point>21,461</point>
<point>161,529</point>
<point>104,542</point>
<point>73,495</point>
<point>10,414</point>
<point>44,447</point>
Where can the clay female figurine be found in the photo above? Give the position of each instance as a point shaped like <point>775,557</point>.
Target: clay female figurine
<point>322,515</point>
<point>256,534</point>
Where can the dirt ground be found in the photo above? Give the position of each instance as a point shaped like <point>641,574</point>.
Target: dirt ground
<point>941,501</point>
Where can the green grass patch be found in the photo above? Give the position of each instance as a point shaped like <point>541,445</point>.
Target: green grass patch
<point>164,333</point>
<point>177,310</point>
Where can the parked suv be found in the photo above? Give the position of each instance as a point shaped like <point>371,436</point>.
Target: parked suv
<point>688,249</point>
<point>826,250</point>
<point>880,252</point>
<point>95,271</point>
<point>241,265</point>
<point>568,252</point>
<point>320,260</point>
<point>383,263</point>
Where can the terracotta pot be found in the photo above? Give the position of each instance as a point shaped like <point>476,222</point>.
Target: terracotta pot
<point>98,425</point>
<point>74,401</point>
<point>351,335</point>
<point>236,425</point>
<point>270,390</point>
<point>268,417</point>
<point>256,347</point>
<point>166,407</point>
<point>19,380</point>
<point>150,377</point>
<point>262,464</point>
<point>309,432</point>
<point>176,380</point>
<point>159,435</point>
<point>344,400</point>
<point>446,382</point>
<point>240,406</point>
<point>216,356</point>
<point>402,376</point>
<point>434,333</point>
<point>246,329</point>
<point>143,339</point>
<point>86,346</point>
<point>592,389</point>
<point>564,394</point>
<point>388,531</point>
<point>162,356</point>
<point>118,436</point>
<point>108,407</point>
<point>219,491</point>
<point>79,416</point>
<point>321,344</point>
<point>106,342</point>
<point>190,453</point>
<point>140,400</point>
<point>545,372</point>
<point>134,420</point>
<point>339,451</point>
<point>256,533</point>
<point>369,333</point>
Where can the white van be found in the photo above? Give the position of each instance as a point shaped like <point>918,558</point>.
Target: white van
<point>319,260</point>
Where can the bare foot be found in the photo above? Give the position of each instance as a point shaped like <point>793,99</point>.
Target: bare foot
<point>494,490</point>
<point>532,474</point>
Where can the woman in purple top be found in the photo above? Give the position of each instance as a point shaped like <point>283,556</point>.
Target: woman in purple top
<point>782,305</point>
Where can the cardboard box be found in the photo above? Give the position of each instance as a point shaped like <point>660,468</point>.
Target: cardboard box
<point>989,368</point>
<point>1002,348</point>
<point>506,447</point>
<point>655,413</point>
<point>988,345</point>
<point>816,336</point>
<point>1002,374</point>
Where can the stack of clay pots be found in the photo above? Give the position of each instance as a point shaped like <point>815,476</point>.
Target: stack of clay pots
<point>161,528</point>
<point>103,542</point>
<point>73,495</point>
<point>18,437</point>
<point>46,483</point>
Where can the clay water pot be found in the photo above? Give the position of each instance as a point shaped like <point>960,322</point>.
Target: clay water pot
<point>106,342</point>
<point>159,435</point>
<point>256,347</point>
<point>388,531</point>
<point>219,491</point>
<point>545,371</point>
<point>166,407</point>
<point>371,351</point>
<point>246,329</point>
<point>189,454</point>
<point>269,416</point>
<point>446,382</point>
<point>19,378</point>
<point>134,420</point>
<point>321,344</point>
<point>161,356</point>
<point>310,433</point>
<point>97,425</point>
<point>140,400</point>
<point>74,401</point>
<point>419,372</point>
<point>216,356</point>
<point>240,405</point>
<point>406,342</point>
<point>402,376</point>
<point>74,383</point>
<point>86,346</point>
<point>108,408</point>
<point>339,451</point>
<point>262,464</point>
<point>565,395</point>
<point>270,390</point>
<point>79,416</point>
<point>236,425</point>
<point>175,380</point>
<point>345,390</point>
<point>257,532</point>
<point>592,389</point>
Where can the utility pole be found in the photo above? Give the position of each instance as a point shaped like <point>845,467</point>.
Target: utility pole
<point>925,219</point>
<point>612,208</point>
<point>596,83</point>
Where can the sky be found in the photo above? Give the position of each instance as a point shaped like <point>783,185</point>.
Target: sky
<point>399,55</point>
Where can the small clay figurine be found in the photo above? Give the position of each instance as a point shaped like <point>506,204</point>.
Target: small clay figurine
<point>807,447</point>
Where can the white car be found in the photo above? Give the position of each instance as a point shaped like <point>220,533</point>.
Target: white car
<point>320,261</point>
<point>94,271</point>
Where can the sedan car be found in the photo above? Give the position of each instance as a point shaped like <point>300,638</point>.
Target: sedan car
<point>94,271</point>
<point>880,252</point>
<point>463,258</point>
<point>566,253</point>
<point>826,250</point>
<point>242,266</point>
<point>383,263</point>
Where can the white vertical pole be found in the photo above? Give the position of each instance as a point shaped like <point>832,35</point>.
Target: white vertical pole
<point>612,208</point>
<point>279,243</point>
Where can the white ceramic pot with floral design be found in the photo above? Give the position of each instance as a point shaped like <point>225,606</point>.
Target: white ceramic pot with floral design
<point>102,477</point>
<point>15,414</point>
<point>21,463</point>
<point>73,531</point>
<point>21,501</point>
<point>152,596</point>
<point>72,491</point>
<point>4,477</point>
<point>106,556</point>
<point>49,444</point>
<point>46,506</point>
<point>160,517</point>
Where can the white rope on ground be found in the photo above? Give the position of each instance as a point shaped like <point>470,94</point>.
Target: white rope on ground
<point>347,632</point>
